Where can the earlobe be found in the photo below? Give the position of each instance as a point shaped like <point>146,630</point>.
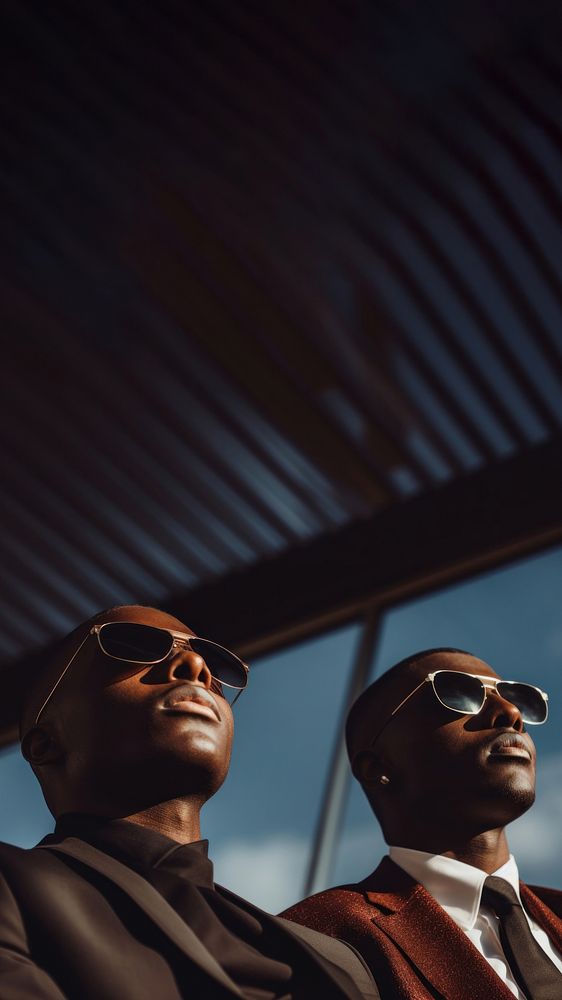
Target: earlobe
<point>39,747</point>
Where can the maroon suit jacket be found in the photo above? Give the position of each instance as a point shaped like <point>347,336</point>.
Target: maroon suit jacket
<point>414,949</point>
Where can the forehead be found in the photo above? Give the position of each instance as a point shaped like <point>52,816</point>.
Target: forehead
<point>132,613</point>
<point>141,616</point>
<point>135,613</point>
<point>383,698</point>
<point>51,671</point>
<point>462,662</point>
<point>413,673</point>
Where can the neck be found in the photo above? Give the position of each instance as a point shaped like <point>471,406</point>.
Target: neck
<point>487,851</point>
<point>178,819</point>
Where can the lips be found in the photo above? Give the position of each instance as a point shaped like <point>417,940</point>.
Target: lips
<point>191,699</point>
<point>510,745</point>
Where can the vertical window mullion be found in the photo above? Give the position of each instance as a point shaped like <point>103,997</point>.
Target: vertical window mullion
<point>338,778</point>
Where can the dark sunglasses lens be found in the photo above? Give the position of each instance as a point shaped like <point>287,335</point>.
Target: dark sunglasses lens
<point>223,665</point>
<point>459,691</point>
<point>139,643</point>
<point>526,698</point>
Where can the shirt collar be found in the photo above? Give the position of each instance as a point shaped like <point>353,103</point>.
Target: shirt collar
<point>138,846</point>
<point>456,886</point>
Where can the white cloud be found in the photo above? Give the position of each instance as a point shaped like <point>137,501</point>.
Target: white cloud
<point>270,873</point>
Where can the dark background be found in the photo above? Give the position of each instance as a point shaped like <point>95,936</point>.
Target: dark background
<point>281,309</point>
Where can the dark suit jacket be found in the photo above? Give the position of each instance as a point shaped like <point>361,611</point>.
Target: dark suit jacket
<point>75,924</point>
<point>414,949</point>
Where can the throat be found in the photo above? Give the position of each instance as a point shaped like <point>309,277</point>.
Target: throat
<point>179,820</point>
<point>487,851</point>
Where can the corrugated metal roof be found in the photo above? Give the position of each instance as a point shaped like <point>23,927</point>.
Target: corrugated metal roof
<point>268,269</point>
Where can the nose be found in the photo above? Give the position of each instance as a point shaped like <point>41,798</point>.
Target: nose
<point>184,664</point>
<point>501,713</point>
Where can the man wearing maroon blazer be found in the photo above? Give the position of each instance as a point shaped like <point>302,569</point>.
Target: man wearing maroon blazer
<point>441,749</point>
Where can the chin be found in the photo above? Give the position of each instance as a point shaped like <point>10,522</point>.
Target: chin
<point>521,799</point>
<point>197,767</point>
<point>509,802</point>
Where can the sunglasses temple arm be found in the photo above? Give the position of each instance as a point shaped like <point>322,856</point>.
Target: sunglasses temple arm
<point>397,709</point>
<point>53,689</point>
<point>232,703</point>
<point>408,696</point>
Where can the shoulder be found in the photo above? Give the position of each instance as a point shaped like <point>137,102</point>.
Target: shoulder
<point>31,870</point>
<point>14,873</point>
<point>12,857</point>
<point>319,901</point>
<point>339,952</point>
<point>550,897</point>
<point>387,877</point>
<point>318,939</point>
<point>324,910</point>
<point>10,851</point>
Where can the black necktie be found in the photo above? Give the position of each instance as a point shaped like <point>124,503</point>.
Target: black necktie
<point>537,976</point>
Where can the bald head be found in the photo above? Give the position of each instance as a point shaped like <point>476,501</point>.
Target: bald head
<point>50,670</point>
<point>433,774</point>
<point>374,706</point>
<point>112,736</point>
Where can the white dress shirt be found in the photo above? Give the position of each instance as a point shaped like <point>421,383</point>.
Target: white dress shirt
<point>457,887</point>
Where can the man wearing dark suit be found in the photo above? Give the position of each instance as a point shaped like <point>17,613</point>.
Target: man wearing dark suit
<point>129,731</point>
<point>440,747</point>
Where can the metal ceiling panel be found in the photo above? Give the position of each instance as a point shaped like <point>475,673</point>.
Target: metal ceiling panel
<point>267,272</point>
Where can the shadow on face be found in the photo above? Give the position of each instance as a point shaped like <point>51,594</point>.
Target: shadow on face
<point>109,742</point>
<point>446,770</point>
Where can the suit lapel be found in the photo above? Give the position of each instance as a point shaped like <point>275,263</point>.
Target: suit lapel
<point>149,900</point>
<point>428,937</point>
<point>160,911</point>
<point>543,915</point>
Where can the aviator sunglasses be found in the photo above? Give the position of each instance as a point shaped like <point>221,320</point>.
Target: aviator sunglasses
<point>145,645</point>
<point>466,694</point>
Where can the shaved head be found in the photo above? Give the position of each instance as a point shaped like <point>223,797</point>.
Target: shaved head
<point>101,735</point>
<point>374,706</point>
<point>436,775</point>
<point>51,668</point>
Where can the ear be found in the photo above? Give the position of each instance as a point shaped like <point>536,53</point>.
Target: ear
<point>368,768</point>
<point>40,747</point>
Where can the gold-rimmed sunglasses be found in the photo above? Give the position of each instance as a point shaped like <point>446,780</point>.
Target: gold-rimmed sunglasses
<point>466,693</point>
<point>145,645</point>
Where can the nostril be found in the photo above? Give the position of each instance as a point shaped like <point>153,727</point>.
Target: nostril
<point>510,714</point>
<point>190,665</point>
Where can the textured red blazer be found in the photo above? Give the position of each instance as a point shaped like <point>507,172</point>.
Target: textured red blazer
<point>414,949</point>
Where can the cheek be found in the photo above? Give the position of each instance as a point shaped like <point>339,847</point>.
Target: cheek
<point>106,716</point>
<point>451,738</point>
<point>121,722</point>
<point>429,758</point>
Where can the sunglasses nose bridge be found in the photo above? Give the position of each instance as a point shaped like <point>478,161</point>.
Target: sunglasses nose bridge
<point>179,644</point>
<point>500,706</point>
<point>184,661</point>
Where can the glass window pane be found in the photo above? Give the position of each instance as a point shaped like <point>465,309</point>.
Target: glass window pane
<point>24,818</point>
<point>261,824</point>
<point>511,618</point>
